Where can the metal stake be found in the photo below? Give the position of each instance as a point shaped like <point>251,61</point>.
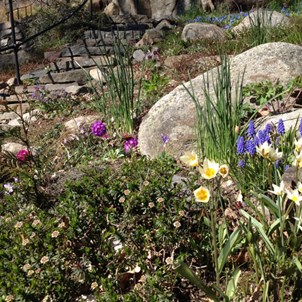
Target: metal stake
<point>16,47</point>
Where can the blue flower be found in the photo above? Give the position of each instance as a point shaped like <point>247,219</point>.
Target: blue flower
<point>240,145</point>
<point>164,138</point>
<point>280,127</point>
<point>251,129</point>
<point>241,163</point>
<point>250,147</point>
<point>300,127</point>
<point>268,128</point>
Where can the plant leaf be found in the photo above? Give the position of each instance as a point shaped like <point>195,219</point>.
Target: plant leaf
<point>184,270</point>
<point>227,249</point>
<point>260,229</point>
<point>298,263</point>
<point>232,284</point>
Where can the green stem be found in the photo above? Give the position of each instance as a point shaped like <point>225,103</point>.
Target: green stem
<point>213,209</point>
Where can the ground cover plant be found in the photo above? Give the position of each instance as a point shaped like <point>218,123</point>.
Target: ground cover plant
<point>83,213</point>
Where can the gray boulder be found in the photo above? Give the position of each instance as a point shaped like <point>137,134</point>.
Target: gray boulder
<point>262,18</point>
<point>174,114</point>
<point>202,31</point>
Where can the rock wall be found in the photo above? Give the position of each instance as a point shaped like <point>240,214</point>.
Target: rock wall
<point>158,9</point>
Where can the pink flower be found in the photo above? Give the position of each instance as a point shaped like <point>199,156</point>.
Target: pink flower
<point>23,155</point>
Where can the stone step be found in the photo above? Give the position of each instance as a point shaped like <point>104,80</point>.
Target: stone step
<point>78,75</point>
<point>68,63</point>
<point>34,75</point>
<point>108,37</point>
<point>14,99</point>
<point>81,50</point>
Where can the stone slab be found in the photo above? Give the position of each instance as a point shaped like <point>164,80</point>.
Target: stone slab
<point>81,50</point>
<point>68,63</point>
<point>78,75</point>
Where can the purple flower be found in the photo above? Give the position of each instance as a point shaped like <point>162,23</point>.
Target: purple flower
<point>280,127</point>
<point>268,128</point>
<point>130,143</point>
<point>300,127</point>
<point>277,163</point>
<point>263,137</point>
<point>250,147</point>
<point>164,138</point>
<point>241,163</point>
<point>98,128</point>
<point>251,129</point>
<point>240,145</point>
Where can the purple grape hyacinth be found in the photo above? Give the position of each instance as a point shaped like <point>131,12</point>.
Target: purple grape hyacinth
<point>281,127</point>
<point>98,128</point>
<point>241,163</point>
<point>250,147</point>
<point>300,127</point>
<point>251,129</point>
<point>240,145</point>
<point>130,143</point>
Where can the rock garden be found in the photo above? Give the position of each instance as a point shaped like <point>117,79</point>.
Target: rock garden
<point>155,160</point>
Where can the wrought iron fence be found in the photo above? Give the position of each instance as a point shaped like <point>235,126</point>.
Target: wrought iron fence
<point>17,45</point>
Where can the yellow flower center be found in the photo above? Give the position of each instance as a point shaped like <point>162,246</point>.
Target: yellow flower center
<point>223,170</point>
<point>210,172</point>
<point>295,198</point>
<point>202,194</point>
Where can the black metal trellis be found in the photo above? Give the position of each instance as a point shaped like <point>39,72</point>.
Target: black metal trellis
<point>16,46</point>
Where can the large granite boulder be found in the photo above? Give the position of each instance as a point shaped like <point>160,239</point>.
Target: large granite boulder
<point>174,114</point>
<point>157,9</point>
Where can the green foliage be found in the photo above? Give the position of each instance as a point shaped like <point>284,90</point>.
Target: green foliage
<point>53,102</point>
<point>104,224</point>
<point>119,100</point>
<point>217,119</point>
<point>264,92</point>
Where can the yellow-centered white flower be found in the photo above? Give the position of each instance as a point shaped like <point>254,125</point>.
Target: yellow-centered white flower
<point>298,160</point>
<point>298,145</point>
<point>224,170</point>
<point>190,159</point>
<point>202,194</point>
<point>209,169</point>
<point>278,190</point>
<point>274,154</point>
<point>264,149</point>
<point>294,196</point>
<point>299,187</point>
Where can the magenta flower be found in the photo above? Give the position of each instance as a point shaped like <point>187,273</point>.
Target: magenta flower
<point>98,128</point>
<point>130,143</point>
<point>23,155</point>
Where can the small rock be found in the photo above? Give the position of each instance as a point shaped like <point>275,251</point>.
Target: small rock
<point>11,82</point>
<point>139,55</point>
<point>164,25</point>
<point>97,75</point>
<point>202,31</point>
<point>75,124</point>
<point>150,37</point>
<point>14,123</point>
<point>8,116</point>
<point>76,90</point>
<point>12,147</point>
